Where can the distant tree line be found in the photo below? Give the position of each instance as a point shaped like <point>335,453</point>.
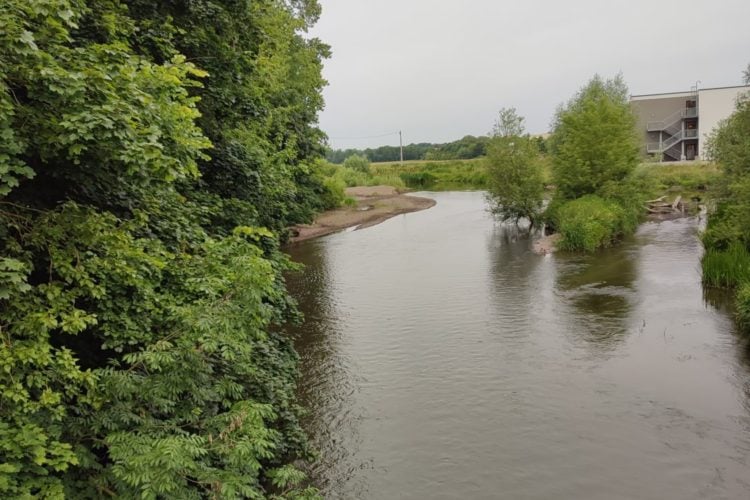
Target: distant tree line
<point>463,149</point>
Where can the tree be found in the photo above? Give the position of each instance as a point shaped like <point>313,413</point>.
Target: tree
<point>515,173</point>
<point>141,304</point>
<point>594,140</point>
<point>746,75</point>
<point>729,146</point>
<point>508,123</point>
<point>359,163</point>
<point>258,106</point>
<point>727,236</point>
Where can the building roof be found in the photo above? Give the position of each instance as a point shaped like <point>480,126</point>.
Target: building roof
<point>686,93</point>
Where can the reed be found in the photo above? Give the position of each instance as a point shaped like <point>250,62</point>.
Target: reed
<point>727,268</point>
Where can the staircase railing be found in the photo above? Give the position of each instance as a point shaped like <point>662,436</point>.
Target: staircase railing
<point>663,146</point>
<point>672,120</point>
<point>659,125</point>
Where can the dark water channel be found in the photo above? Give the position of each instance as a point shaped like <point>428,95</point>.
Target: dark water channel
<point>442,359</point>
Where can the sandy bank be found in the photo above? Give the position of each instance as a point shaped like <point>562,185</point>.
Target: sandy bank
<point>375,204</point>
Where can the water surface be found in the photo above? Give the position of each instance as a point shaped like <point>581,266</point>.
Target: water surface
<point>442,359</point>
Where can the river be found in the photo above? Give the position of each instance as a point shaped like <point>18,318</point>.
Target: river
<point>442,359</point>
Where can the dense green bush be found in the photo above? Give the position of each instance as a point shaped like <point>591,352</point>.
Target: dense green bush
<point>358,163</point>
<point>335,196</point>
<point>590,222</point>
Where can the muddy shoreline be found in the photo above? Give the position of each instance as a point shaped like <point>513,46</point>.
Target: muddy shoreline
<point>374,204</point>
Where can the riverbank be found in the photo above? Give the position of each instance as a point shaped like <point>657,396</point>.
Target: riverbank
<point>374,204</point>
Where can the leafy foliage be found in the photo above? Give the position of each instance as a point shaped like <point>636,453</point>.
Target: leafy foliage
<point>259,104</point>
<point>144,147</point>
<point>594,139</point>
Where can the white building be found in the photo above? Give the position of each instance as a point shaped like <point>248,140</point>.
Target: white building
<point>675,125</point>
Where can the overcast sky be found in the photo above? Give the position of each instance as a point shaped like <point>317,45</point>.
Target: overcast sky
<point>439,70</point>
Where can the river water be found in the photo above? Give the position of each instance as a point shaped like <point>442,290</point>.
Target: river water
<point>442,359</point>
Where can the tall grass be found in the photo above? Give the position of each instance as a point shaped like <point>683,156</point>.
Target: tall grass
<point>438,175</point>
<point>727,268</point>
<point>696,176</point>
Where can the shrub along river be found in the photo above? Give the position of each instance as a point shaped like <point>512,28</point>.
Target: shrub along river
<point>441,358</point>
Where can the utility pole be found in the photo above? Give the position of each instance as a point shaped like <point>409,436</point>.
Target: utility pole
<point>401,146</point>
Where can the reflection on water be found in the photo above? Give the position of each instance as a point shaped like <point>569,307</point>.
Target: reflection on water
<point>598,291</point>
<point>441,358</point>
<point>329,379</point>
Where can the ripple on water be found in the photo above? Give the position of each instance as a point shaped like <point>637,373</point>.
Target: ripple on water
<point>441,358</point>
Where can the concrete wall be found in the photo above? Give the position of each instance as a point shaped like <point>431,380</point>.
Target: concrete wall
<point>714,105</point>
<point>654,109</point>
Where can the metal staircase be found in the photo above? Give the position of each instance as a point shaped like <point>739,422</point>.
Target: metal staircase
<point>675,133</point>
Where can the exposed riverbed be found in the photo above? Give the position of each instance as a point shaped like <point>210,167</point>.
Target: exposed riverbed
<point>442,358</point>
